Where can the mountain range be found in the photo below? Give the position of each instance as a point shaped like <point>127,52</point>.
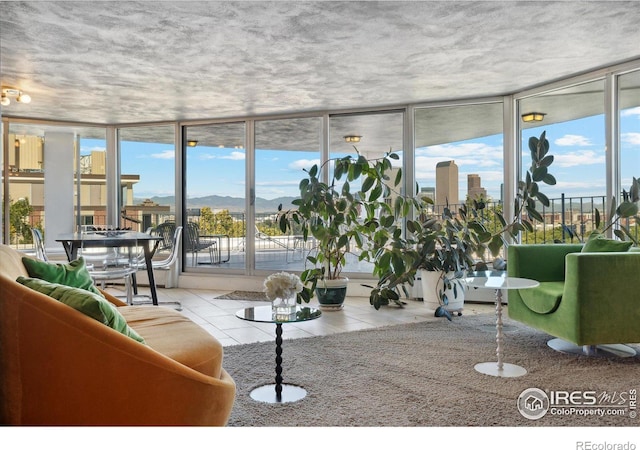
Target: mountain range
<point>233,204</point>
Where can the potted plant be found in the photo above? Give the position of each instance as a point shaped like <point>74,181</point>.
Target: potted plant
<point>338,218</point>
<point>451,244</point>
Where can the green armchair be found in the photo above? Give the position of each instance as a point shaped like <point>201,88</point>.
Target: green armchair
<point>584,299</point>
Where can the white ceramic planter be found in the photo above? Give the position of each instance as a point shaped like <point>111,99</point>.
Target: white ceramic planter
<point>432,284</point>
<point>331,293</point>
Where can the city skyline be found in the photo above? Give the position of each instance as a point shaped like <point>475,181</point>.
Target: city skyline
<point>578,148</point>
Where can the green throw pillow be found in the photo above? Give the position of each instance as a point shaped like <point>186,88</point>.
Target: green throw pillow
<point>73,274</point>
<point>88,303</point>
<point>598,243</point>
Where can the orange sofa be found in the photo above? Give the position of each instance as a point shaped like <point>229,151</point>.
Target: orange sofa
<point>61,367</point>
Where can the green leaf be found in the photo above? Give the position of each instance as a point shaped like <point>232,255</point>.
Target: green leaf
<point>539,173</point>
<point>549,179</point>
<point>528,226</point>
<point>313,171</point>
<point>543,199</point>
<point>534,214</point>
<point>367,184</point>
<point>495,245</point>
<point>357,171</point>
<point>533,144</point>
<point>375,193</point>
<point>627,209</point>
<point>620,234</point>
<point>398,178</point>
<point>398,264</point>
<point>597,219</point>
<point>546,161</point>
<point>283,222</point>
<point>441,311</point>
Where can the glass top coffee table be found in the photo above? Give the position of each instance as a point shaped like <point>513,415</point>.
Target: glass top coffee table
<point>499,283</point>
<point>278,392</point>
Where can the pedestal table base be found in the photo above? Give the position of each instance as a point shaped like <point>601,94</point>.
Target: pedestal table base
<point>508,370</point>
<point>267,393</point>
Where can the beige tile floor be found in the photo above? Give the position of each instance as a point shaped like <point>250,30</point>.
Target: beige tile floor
<point>217,316</point>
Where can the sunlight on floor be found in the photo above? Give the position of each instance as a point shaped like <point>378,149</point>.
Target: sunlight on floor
<point>217,316</point>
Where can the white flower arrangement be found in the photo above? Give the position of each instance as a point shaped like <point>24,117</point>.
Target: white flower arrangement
<point>282,285</point>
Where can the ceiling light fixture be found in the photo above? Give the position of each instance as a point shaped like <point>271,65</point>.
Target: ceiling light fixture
<point>533,117</point>
<point>20,96</point>
<point>352,138</point>
<point>192,142</point>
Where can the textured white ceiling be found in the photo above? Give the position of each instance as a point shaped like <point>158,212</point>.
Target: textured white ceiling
<point>130,62</point>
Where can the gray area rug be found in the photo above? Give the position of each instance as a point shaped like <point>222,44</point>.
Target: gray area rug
<point>244,295</point>
<point>422,375</point>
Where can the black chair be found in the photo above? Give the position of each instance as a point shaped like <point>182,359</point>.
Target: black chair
<point>195,242</point>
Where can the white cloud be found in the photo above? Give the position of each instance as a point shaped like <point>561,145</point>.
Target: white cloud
<point>270,184</point>
<point>572,140</point>
<point>579,158</point>
<point>631,112</point>
<point>303,164</point>
<point>631,138</point>
<point>467,154</point>
<point>578,185</point>
<point>165,154</point>
<point>235,156</point>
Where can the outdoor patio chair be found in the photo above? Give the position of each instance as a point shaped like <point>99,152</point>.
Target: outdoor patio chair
<point>194,243</point>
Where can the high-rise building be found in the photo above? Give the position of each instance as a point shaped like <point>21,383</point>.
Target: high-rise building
<point>474,187</point>
<point>429,192</point>
<point>447,183</point>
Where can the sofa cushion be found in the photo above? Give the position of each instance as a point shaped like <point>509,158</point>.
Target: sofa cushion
<point>74,273</point>
<point>545,298</point>
<point>88,303</point>
<point>598,243</point>
<point>174,335</point>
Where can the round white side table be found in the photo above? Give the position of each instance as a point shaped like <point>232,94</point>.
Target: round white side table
<point>497,283</point>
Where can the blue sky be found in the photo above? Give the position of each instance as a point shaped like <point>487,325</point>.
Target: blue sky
<point>578,148</point>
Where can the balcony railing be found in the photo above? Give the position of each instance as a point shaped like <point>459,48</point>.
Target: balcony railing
<point>566,219</point>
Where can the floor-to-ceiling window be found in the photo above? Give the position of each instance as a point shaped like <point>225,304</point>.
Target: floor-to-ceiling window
<point>147,176</point>
<point>574,122</point>
<point>214,195</point>
<point>41,157</point>
<point>91,195</point>
<point>459,154</point>
<point>372,135</point>
<point>217,172</point>
<point>283,149</point>
<point>629,119</point>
